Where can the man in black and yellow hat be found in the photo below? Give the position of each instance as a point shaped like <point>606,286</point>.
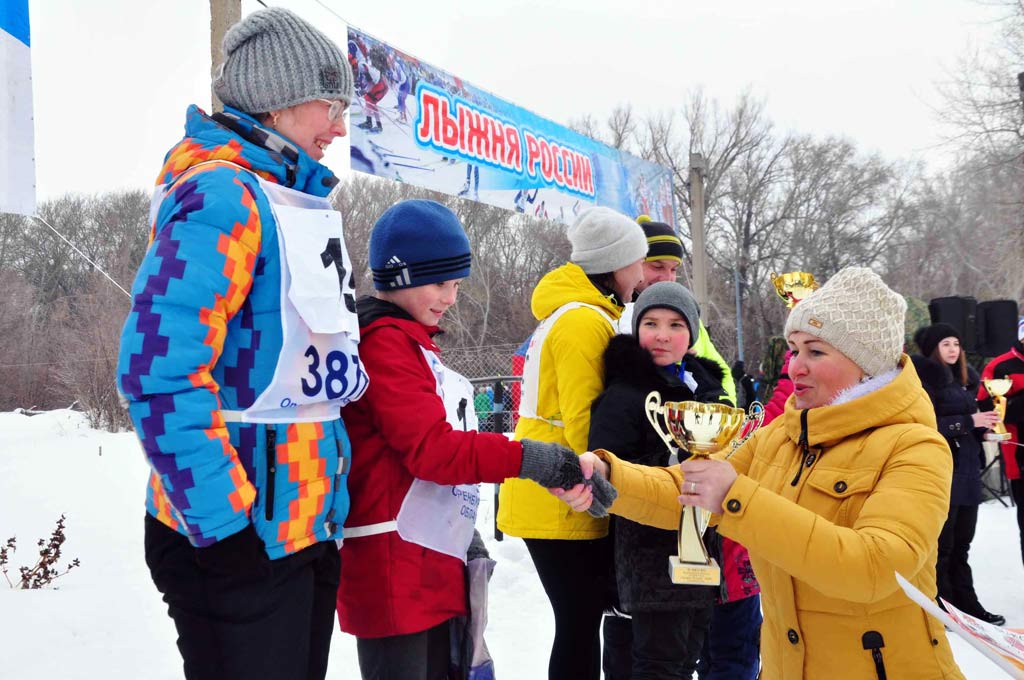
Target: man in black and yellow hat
<point>664,257</point>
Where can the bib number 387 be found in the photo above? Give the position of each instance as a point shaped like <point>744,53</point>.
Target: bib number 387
<point>331,376</point>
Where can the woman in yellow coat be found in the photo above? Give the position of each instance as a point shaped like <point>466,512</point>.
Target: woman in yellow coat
<point>849,487</point>
<point>577,305</point>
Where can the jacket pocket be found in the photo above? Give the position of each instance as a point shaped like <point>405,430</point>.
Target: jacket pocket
<point>271,467</point>
<point>841,492</point>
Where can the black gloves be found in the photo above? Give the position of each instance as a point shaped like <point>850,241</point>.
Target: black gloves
<point>239,555</point>
<point>604,495</point>
<point>552,465</point>
<point>477,549</point>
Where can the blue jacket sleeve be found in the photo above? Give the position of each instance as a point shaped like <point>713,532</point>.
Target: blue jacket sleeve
<point>193,279</point>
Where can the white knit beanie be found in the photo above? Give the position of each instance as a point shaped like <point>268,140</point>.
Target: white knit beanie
<point>859,315</point>
<point>604,240</point>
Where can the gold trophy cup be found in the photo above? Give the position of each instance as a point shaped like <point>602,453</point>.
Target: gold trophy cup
<point>793,287</point>
<point>997,389</point>
<point>700,429</point>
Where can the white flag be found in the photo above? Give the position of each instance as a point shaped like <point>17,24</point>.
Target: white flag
<point>17,138</point>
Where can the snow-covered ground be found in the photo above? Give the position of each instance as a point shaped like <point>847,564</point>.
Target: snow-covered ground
<point>106,619</point>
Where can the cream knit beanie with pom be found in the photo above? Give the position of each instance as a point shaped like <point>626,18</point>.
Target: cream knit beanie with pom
<point>859,315</point>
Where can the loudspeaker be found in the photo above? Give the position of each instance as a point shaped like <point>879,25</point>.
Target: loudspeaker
<point>996,327</point>
<point>958,312</point>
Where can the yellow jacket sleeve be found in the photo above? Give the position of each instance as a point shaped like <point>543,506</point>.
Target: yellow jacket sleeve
<point>648,495</point>
<point>577,344</point>
<point>894,530</point>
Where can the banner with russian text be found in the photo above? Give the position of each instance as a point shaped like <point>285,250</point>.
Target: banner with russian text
<point>17,146</point>
<point>415,123</point>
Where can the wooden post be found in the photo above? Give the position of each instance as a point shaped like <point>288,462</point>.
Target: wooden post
<point>223,15</point>
<point>700,273</point>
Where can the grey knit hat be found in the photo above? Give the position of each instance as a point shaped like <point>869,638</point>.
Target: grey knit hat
<point>859,315</point>
<point>604,240</point>
<point>273,59</point>
<point>668,295</point>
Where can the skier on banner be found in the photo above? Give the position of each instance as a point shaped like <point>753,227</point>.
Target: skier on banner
<point>356,59</point>
<point>522,198</point>
<point>401,77</point>
<point>377,87</point>
<point>471,189</point>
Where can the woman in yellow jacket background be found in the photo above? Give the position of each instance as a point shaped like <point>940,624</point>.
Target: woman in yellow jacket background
<point>849,487</point>
<point>577,306</point>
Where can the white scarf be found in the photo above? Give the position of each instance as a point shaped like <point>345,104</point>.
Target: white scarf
<point>865,387</point>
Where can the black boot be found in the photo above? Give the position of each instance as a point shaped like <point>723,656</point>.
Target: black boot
<point>989,617</point>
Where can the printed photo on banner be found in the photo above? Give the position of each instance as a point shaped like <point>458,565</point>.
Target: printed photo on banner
<point>414,123</point>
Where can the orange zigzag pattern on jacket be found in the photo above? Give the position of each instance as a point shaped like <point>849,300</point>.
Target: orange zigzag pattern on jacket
<point>300,456</point>
<point>239,251</point>
<point>192,153</point>
<point>164,510</point>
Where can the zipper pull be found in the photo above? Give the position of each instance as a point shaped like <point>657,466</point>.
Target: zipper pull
<point>873,641</point>
<point>804,448</point>
<point>271,457</point>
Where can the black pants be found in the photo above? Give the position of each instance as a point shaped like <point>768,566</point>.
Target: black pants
<point>278,626</point>
<point>574,575</point>
<point>955,580</point>
<point>655,645</point>
<point>418,656</point>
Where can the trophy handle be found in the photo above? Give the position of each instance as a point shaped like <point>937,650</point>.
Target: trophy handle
<point>754,419</point>
<point>652,407</point>
<point>778,281</point>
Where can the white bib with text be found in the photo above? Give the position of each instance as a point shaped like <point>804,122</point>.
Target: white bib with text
<point>318,369</point>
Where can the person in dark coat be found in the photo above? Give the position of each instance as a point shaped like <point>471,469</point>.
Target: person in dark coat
<point>952,386</point>
<point>664,636</point>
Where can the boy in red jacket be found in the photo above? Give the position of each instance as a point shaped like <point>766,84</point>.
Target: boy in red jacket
<point>416,460</point>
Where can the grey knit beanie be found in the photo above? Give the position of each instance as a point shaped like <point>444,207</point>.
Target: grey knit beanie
<point>859,315</point>
<point>273,59</point>
<point>668,295</point>
<point>604,240</point>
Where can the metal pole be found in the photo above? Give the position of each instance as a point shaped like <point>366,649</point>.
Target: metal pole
<point>739,316</point>
<point>700,276</point>
<point>223,15</point>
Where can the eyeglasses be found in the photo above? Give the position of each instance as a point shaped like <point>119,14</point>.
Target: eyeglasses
<point>336,110</point>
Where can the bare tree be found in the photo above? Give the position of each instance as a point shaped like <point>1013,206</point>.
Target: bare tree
<point>983,98</point>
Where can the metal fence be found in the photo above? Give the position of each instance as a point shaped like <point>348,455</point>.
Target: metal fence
<point>496,401</point>
<point>495,390</point>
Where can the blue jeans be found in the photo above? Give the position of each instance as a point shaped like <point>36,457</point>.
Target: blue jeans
<point>732,648</point>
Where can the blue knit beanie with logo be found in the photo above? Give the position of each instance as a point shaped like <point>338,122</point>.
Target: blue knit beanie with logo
<point>417,242</point>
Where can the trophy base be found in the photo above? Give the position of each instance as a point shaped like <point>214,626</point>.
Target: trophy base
<point>997,436</point>
<point>691,574</point>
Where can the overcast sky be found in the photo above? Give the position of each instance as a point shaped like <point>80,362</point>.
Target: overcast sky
<point>112,78</point>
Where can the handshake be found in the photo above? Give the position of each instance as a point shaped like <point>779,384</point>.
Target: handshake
<point>557,468</point>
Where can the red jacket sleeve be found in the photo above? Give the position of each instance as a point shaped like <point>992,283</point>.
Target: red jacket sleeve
<point>777,403</point>
<point>405,409</point>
